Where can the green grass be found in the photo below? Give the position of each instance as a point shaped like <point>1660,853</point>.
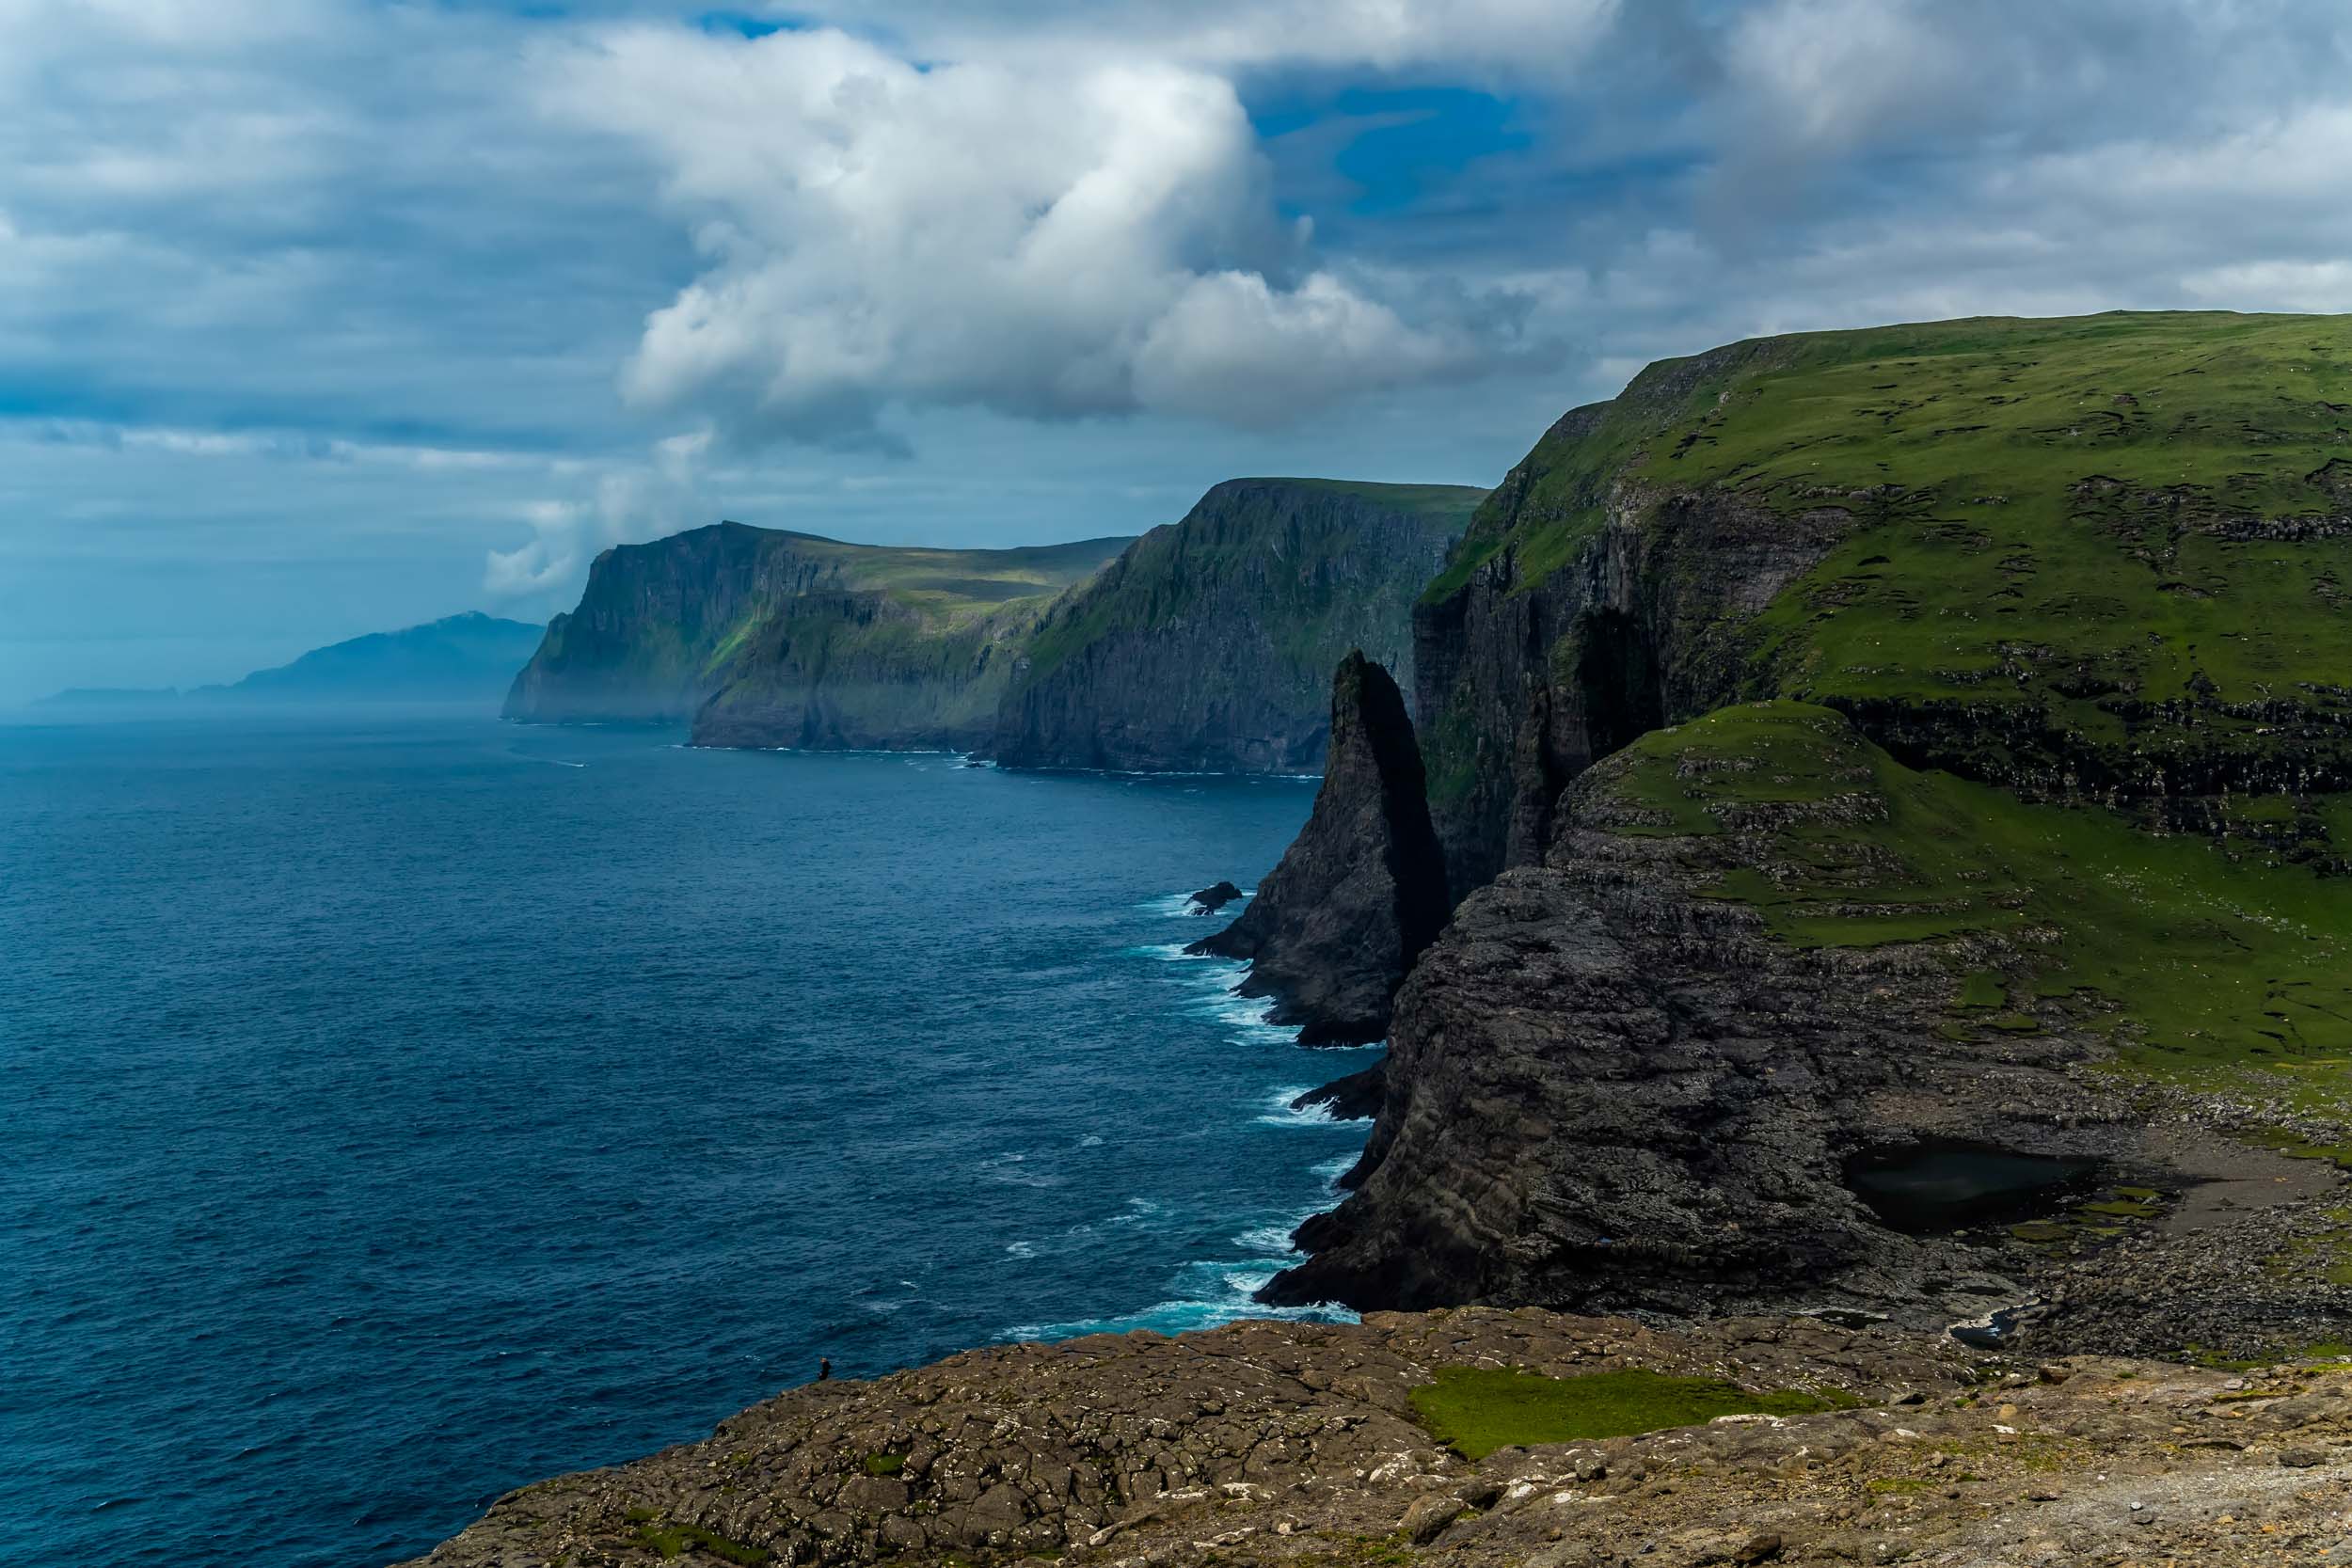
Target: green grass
<point>1251,547</point>
<point>1476,1410</point>
<point>884,1463</point>
<point>670,1539</point>
<point>2208,958</point>
<point>2126,527</point>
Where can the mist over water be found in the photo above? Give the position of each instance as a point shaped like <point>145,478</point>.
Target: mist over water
<point>398,1113</point>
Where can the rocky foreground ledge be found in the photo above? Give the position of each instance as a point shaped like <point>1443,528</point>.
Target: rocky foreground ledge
<point>1296,1443</point>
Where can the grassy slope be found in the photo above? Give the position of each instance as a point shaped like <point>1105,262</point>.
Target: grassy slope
<point>1170,573</point>
<point>2135,524</point>
<point>950,590</point>
<point>916,669</point>
<point>2048,537</point>
<point>2202,962</point>
<point>1476,1410</point>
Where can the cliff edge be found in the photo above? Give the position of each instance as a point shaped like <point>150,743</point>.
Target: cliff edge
<point>1361,892</point>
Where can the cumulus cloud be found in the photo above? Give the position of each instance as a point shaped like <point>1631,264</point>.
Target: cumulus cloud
<point>1515,39</point>
<point>1038,241</point>
<point>624,506</point>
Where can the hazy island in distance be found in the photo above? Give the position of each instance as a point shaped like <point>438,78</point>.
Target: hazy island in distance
<point>469,658</point>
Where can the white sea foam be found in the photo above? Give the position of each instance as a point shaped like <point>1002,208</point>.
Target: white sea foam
<point>1274,1241</point>
<point>1010,1170</point>
<point>1335,1168</point>
<point>1248,1018</point>
<point>1279,1112</point>
<point>1021,1250</point>
<point>1179,906</point>
<point>1210,1293</point>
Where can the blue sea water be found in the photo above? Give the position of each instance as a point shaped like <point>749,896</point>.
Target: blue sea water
<point>397,1112</point>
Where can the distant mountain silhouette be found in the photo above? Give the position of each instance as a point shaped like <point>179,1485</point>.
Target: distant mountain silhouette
<point>458,659</point>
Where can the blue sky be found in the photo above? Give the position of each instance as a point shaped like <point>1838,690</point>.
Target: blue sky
<point>323,316</point>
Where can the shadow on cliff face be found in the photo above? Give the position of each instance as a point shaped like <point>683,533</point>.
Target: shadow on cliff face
<point>1942,1185</point>
<point>1362,891</point>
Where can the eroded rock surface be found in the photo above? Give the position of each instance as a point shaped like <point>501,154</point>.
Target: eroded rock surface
<point>1361,891</point>
<point>1281,1443</point>
<point>1611,1088</point>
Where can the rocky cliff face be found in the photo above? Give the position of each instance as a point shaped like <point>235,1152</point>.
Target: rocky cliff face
<point>2033,552</point>
<point>1645,1072</point>
<point>764,638</point>
<point>647,641</point>
<point>1208,645</point>
<point>1361,893</point>
<point>1304,1444</point>
<point>1604,1087</point>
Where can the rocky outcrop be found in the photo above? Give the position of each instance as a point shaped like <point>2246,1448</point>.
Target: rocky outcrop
<point>1208,646</point>
<point>1605,1089</point>
<point>1530,671</point>
<point>1361,892</point>
<point>1298,1443</point>
<point>1613,1083</point>
<point>1212,898</point>
<point>764,638</point>
<point>647,641</point>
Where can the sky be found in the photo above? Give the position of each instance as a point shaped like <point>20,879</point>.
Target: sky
<point>321,317</point>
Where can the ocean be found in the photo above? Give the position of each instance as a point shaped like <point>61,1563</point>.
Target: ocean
<point>398,1111</point>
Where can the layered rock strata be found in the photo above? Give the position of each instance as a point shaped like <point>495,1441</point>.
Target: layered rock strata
<point>1361,892</point>
<point>1297,1444</point>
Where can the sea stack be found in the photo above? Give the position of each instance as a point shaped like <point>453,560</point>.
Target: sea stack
<point>1362,891</point>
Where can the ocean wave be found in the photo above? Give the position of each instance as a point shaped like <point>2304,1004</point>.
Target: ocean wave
<point>1272,1240</point>
<point>1279,1112</point>
<point>1211,1294</point>
<point>1179,906</point>
<point>1251,1018</point>
<point>1008,1169</point>
<point>1335,1168</point>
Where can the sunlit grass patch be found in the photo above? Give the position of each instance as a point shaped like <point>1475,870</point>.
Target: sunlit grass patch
<point>1476,1410</point>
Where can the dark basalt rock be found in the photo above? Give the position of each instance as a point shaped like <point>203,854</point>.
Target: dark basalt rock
<point>1357,1096</point>
<point>1361,893</point>
<point>1605,1087</point>
<point>1214,897</point>
<point>1208,646</point>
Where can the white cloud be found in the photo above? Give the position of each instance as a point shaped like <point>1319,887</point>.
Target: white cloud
<point>625,506</point>
<point>1512,38</point>
<point>1015,236</point>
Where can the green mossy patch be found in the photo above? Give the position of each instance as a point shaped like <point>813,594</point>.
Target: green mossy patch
<point>670,1539</point>
<point>2206,959</point>
<point>1476,1410</point>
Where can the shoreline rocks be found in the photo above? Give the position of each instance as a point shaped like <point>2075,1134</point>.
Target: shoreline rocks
<point>1297,1443</point>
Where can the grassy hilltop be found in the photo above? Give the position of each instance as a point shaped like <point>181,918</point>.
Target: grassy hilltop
<point>2118,541</point>
<point>2101,562</point>
<point>664,626</point>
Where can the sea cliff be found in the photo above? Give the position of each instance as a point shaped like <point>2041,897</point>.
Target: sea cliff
<point>764,638</point>
<point>1208,645</point>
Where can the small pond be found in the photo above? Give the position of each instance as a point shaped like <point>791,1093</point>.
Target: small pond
<point>1946,1184</point>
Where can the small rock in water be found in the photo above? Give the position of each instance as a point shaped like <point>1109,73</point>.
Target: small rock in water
<point>1213,898</point>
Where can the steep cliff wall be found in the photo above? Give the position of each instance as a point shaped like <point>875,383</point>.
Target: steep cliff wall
<point>765,638</point>
<point>1208,645</point>
<point>1759,951</point>
<point>2022,600</point>
<point>2097,557</point>
<point>1334,928</point>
